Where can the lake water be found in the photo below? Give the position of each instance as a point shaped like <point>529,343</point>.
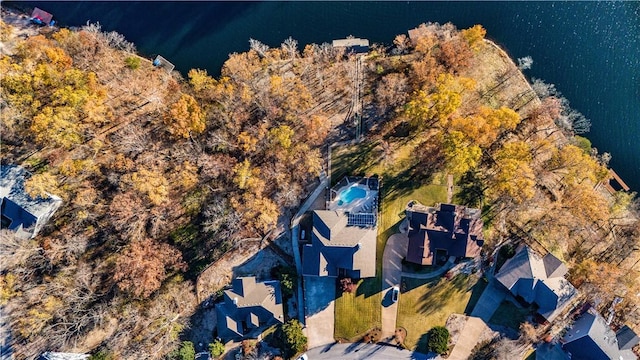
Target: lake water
<point>590,50</point>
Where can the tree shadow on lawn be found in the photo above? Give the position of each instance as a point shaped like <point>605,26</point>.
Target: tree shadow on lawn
<point>369,287</point>
<point>441,292</point>
<point>421,345</point>
<point>353,163</point>
<point>403,183</point>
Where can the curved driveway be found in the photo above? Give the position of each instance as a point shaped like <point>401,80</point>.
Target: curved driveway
<point>394,252</point>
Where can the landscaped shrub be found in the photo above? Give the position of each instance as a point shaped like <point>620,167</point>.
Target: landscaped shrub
<point>186,351</point>
<point>132,62</point>
<point>372,336</point>
<point>348,285</point>
<point>101,355</point>
<point>506,252</point>
<point>438,339</point>
<point>216,348</point>
<point>288,277</point>
<point>293,340</point>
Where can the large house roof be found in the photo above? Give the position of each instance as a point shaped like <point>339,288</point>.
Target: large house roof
<point>590,338</point>
<point>247,306</point>
<point>453,229</point>
<point>538,280</point>
<point>21,212</point>
<point>336,244</point>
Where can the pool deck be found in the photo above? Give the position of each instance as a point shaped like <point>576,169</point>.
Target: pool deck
<point>366,204</point>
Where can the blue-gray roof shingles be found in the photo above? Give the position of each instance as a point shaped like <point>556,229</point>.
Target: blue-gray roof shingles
<point>538,280</point>
<point>248,308</point>
<point>338,248</point>
<point>20,212</point>
<point>590,338</point>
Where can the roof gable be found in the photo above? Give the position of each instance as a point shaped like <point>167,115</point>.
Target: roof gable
<point>591,338</point>
<point>526,275</point>
<point>627,338</point>
<point>248,305</point>
<point>553,266</point>
<point>454,229</point>
<point>26,213</point>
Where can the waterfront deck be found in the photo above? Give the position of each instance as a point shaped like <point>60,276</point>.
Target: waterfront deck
<point>614,183</point>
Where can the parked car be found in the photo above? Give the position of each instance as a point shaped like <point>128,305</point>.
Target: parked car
<point>394,293</point>
<point>303,357</point>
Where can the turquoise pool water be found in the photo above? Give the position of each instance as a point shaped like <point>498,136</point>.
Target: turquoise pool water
<point>350,194</point>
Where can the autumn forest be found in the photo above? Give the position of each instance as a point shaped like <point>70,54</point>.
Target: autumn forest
<point>162,173</point>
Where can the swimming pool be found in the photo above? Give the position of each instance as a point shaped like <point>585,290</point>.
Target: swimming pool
<point>348,195</point>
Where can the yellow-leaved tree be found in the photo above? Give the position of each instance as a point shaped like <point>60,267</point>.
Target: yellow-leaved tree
<point>513,175</point>
<point>185,117</point>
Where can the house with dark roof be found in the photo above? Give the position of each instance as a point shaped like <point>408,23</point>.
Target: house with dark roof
<point>342,245</point>
<point>19,211</point>
<point>248,308</point>
<point>436,233</point>
<point>538,280</point>
<point>590,338</point>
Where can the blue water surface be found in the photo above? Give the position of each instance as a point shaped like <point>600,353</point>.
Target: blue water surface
<point>351,193</point>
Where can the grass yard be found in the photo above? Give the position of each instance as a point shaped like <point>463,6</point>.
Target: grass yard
<point>425,305</point>
<point>510,315</point>
<point>358,312</point>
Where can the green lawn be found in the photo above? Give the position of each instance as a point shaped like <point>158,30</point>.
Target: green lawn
<point>356,314</point>
<point>510,315</point>
<point>425,305</point>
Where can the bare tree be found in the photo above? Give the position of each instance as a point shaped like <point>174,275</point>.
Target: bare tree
<point>402,44</point>
<point>524,63</point>
<point>290,46</point>
<point>258,47</point>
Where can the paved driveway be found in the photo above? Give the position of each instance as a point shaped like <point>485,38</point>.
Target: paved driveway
<point>473,329</point>
<point>320,295</point>
<point>489,301</point>
<point>394,252</point>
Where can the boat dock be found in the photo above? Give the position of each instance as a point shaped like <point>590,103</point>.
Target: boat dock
<point>614,183</point>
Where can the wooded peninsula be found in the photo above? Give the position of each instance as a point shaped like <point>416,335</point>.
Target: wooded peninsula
<point>169,182</point>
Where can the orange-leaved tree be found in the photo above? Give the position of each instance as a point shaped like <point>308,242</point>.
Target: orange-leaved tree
<point>142,267</point>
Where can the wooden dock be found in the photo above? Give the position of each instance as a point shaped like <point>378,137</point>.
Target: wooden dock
<point>163,63</point>
<point>614,183</point>
<point>352,44</point>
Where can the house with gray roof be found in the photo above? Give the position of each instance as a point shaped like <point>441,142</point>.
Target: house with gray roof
<point>248,308</point>
<point>19,211</point>
<point>436,233</point>
<point>342,245</point>
<point>538,280</point>
<point>590,338</point>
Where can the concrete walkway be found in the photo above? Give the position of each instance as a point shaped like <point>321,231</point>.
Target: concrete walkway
<point>394,252</point>
<point>434,274</point>
<point>473,329</point>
